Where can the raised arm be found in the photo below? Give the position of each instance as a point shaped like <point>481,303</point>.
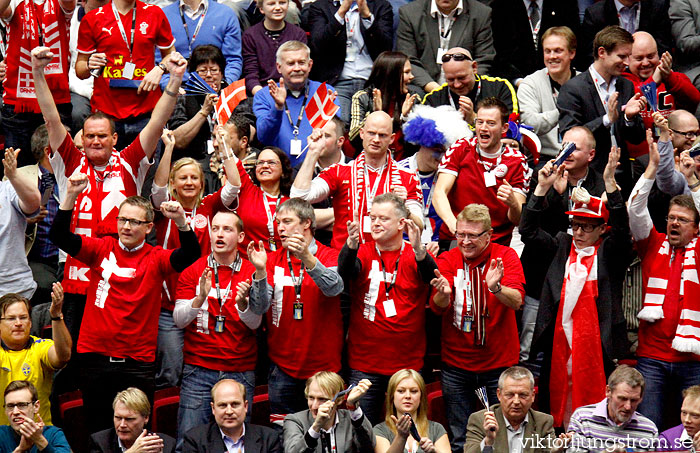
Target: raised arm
<point>59,353</point>
<point>640,220</point>
<point>27,189</point>
<point>60,233</point>
<point>188,131</point>
<point>42,56</point>
<point>302,181</point>
<point>163,171</point>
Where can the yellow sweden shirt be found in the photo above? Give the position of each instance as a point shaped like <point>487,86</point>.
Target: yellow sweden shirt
<point>30,364</point>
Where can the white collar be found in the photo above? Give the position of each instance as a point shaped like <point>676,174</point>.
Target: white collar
<point>434,11</point>
<point>619,6</point>
<point>201,9</point>
<point>126,249</point>
<point>600,80</point>
<point>522,424</point>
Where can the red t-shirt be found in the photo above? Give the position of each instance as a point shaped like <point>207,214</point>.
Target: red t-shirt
<point>502,346</point>
<point>301,347</point>
<point>251,210</point>
<point>339,180</point>
<point>123,301</point>
<point>99,32</point>
<point>464,162</point>
<point>655,338</point>
<point>234,349</point>
<point>379,343</point>
<point>167,236</point>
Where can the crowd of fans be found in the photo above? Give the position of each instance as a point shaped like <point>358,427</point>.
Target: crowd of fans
<point>510,185</point>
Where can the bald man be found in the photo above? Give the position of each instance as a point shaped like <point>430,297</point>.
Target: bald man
<point>352,186</point>
<point>676,134</point>
<point>674,89</point>
<point>465,88</point>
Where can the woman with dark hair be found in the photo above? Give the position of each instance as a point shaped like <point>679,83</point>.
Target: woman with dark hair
<point>386,89</point>
<point>262,191</point>
<point>192,119</point>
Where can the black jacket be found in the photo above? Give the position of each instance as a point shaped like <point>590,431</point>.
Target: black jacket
<point>106,442</point>
<point>207,439</point>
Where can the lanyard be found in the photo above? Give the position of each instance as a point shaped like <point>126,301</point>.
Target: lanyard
<point>478,92</point>
<point>390,286</point>
<point>234,268</point>
<point>129,44</point>
<point>603,96</point>
<point>498,160</point>
<point>301,113</point>
<point>535,29</point>
<point>426,209</point>
<point>297,282</point>
<point>371,193</point>
<point>187,31</point>
<point>270,215</point>
<point>446,34</point>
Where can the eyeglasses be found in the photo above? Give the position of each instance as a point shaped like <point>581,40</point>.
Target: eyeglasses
<point>132,222</point>
<point>269,163</point>
<point>689,135</point>
<point>14,319</point>
<point>472,237</point>
<point>681,220</point>
<point>11,406</point>
<point>457,56</point>
<point>586,227</point>
<point>205,71</point>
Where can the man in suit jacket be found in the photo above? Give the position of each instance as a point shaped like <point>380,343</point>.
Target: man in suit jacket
<point>347,37</point>
<point>229,431</point>
<point>518,44</point>
<point>427,28</point>
<point>645,15</point>
<point>486,429</point>
<point>310,431</point>
<point>131,413</point>
<point>605,103</point>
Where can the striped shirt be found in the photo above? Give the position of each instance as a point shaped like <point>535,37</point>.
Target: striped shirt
<point>594,431</point>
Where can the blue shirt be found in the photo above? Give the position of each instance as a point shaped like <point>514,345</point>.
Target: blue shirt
<point>9,440</point>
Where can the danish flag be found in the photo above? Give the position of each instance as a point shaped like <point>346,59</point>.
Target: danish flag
<point>229,98</point>
<point>321,108</point>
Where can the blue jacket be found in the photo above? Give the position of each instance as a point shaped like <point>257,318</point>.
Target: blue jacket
<point>220,28</point>
<point>273,126</point>
<point>9,440</point>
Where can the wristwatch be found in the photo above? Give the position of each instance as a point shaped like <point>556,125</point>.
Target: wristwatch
<point>57,318</point>
<point>498,289</point>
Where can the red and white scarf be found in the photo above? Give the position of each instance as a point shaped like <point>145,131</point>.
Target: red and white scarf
<point>23,36</point>
<point>358,199</point>
<point>95,214</point>
<point>577,351</point>
<point>687,337</point>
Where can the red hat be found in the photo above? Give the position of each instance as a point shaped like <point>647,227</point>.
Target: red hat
<point>595,209</point>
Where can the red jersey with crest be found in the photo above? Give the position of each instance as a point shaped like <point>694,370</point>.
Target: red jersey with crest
<point>502,346</point>
<point>339,180</point>
<point>474,172</point>
<point>385,337</point>
<point>123,300</point>
<point>234,349</point>
<point>297,346</point>
<point>168,237</point>
<point>100,32</point>
<point>252,210</point>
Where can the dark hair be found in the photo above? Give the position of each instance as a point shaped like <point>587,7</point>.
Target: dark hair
<point>609,38</point>
<point>386,75</point>
<point>21,385</point>
<point>140,202</point>
<point>339,127</point>
<point>101,116</point>
<point>286,179</point>
<point>204,54</point>
<point>11,299</point>
<point>684,201</point>
<point>241,123</point>
<point>40,140</point>
<point>493,102</point>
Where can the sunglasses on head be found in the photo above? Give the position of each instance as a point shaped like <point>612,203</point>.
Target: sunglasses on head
<point>458,56</point>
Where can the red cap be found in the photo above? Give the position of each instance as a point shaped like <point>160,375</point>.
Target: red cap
<point>594,209</point>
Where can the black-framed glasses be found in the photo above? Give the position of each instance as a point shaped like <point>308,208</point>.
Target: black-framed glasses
<point>586,227</point>
<point>132,222</point>
<point>471,236</point>
<point>204,71</point>
<point>681,220</point>
<point>689,134</point>
<point>457,56</point>
<point>22,405</point>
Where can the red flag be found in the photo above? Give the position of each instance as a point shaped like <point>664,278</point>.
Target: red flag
<point>229,98</point>
<point>320,109</point>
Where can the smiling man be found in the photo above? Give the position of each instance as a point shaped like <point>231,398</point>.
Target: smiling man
<point>229,431</point>
<point>131,414</point>
<point>685,435</point>
<point>586,271</point>
<point>298,286</point>
<point>667,353</point>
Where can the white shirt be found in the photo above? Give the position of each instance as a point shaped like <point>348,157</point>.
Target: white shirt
<point>234,447</point>
<point>195,13</point>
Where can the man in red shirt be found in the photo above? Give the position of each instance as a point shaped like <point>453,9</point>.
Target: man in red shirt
<point>211,305</point>
<point>669,346</point>
<point>389,287</point>
<point>482,170</point>
<point>480,288</point>
<point>353,186</point>
<point>118,41</point>
<point>117,342</point>
<point>298,286</point>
